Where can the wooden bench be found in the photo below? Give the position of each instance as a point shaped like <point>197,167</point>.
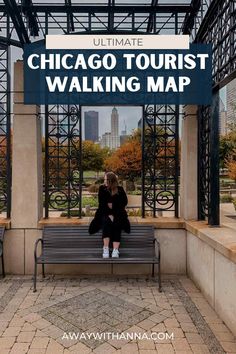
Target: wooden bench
<point>74,245</point>
<point>2,231</point>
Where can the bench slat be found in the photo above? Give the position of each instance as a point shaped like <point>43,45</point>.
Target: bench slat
<point>74,245</point>
<point>75,241</point>
<point>97,259</point>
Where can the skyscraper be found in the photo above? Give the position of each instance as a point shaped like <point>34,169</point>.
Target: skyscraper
<point>115,138</point>
<point>91,125</point>
<point>231,103</point>
<point>124,136</point>
<point>140,123</point>
<point>223,119</point>
<point>114,122</point>
<point>106,140</point>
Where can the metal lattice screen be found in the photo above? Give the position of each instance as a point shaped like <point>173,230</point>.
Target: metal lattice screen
<point>62,174</point>
<point>5,133</point>
<point>160,159</point>
<point>208,162</point>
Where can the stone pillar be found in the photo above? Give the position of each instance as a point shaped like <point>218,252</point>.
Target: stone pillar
<point>188,169</point>
<point>27,187</point>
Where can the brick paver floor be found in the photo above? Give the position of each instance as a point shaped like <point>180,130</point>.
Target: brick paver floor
<point>65,315</point>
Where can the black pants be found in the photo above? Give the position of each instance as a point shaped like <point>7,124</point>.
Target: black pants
<point>111,229</point>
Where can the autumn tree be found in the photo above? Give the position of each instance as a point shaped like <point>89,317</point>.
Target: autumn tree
<point>231,165</point>
<point>126,161</point>
<point>93,156</point>
<point>227,148</point>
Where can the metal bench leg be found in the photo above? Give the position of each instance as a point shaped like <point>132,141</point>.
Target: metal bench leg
<point>3,269</point>
<point>153,269</point>
<point>159,270</point>
<point>43,270</point>
<point>159,277</point>
<point>35,275</point>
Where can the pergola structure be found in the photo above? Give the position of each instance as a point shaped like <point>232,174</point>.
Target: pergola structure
<point>206,21</point>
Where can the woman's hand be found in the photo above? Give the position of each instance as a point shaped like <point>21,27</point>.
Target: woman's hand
<point>111,217</point>
<point>109,205</point>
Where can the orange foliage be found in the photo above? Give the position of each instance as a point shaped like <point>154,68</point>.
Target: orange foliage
<point>231,165</point>
<point>126,161</point>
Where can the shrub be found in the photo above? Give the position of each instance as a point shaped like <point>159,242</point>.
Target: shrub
<point>136,192</point>
<point>100,180</point>
<point>234,203</point>
<point>91,201</point>
<point>134,212</point>
<point>165,194</point>
<point>86,184</point>
<point>93,188</point>
<point>130,186</point>
<point>90,213</point>
<point>226,198</point>
<point>72,213</point>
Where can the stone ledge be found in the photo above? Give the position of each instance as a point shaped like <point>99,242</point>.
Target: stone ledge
<point>63,221</point>
<point>222,239</point>
<point>5,222</point>
<point>159,223</point>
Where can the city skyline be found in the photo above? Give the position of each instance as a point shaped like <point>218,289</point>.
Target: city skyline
<point>128,116</point>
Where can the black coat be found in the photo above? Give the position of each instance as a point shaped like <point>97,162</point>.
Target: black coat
<point>119,202</point>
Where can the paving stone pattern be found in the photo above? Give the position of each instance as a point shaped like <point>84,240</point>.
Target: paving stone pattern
<point>97,309</point>
<point>9,294</point>
<point>36,323</point>
<point>198,320</point>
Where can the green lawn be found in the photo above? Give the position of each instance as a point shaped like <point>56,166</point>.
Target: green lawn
<point>87,174</point>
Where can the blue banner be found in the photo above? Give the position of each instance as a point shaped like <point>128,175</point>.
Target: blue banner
<point>125,77</point>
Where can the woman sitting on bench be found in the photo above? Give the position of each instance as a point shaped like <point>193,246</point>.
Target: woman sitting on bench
<point>111,215</point>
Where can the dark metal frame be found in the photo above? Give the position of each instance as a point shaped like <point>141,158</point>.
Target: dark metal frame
<point>2,231</point>
<point>219,28</point>
<point>160,147</point>
<point>207,21</point>
<point>160,139</point>
<point>5,120</point>
<point>63,149</point>
<point>208,162</point>
<point>27,20</point>
<point>160,159</point>
<point>204,114</point>
<point>110,17</point>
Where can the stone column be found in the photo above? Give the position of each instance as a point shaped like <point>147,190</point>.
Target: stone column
<point>188,170</point>
<point>27,187</point>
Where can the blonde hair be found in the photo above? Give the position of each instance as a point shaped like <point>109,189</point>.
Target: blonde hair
<point>112,182</point>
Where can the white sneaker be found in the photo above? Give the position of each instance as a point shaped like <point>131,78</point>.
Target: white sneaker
<point>115,253</point>
<point>105,253</point>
